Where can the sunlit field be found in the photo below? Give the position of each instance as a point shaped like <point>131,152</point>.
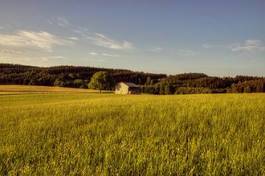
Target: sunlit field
<point>57,131</point>
<point>8,89</point>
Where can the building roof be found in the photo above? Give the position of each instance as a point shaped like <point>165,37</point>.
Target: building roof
<point>129,84</point>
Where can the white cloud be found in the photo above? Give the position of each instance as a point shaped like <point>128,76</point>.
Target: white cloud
<point>103,54</point>
<point>11,56</point>
<point>17,57</point>
<point>5,51</point>
<point>248,45</point>
<point>210,45</point>
<point>186,52</point>
<point>207,46</point>
<point>60,21</point>
<point>104,41</point>
<point>73,38</point>
<point>97,39</point>
<point>93,53</point>
<point>63,22</point>
<point>42,40</point>
<point>109,55</point>
<point>14,60</point>
<point>27,56</point>
<point>157,49</point>
<point>81,31</point>
<point>56,57</point>
<point>50,58</point>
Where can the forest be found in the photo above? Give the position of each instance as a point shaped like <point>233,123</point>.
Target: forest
<point>79,77</point>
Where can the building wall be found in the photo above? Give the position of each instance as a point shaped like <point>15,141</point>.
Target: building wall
<point>121,88</point>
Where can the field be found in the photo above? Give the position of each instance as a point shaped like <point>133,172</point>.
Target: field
<point>57,131</point>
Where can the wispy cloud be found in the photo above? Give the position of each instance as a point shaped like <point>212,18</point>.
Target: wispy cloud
<point>60,21</point>
<point>207,46</point>
<point>5,51</point>
<point>11,56</point>
<point>248,45</point>
<point>102,54</point>
<point>82,31</point>
<point>186,52</point>
<point>50,58</point>
<point>69,27</point>
<point>104,41</point>
<point>109,55</point>
<point>56,57</point>
<point>213,45</point>
<point>97,39</point>
<point>156,49</point>
<point>73,38</point>
<point>93,53</point>
<point>63,22</point>
<point>41,40</point>
<point>22,58</point>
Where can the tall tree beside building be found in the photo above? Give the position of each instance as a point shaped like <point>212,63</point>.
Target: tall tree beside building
<point>101,81</point>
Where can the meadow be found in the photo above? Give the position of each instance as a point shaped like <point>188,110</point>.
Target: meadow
<point>58,131</point>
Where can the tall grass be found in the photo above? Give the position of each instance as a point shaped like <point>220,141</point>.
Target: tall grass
<point>92,134</point>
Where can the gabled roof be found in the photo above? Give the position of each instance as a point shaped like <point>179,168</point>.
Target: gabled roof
<point>129,84</point>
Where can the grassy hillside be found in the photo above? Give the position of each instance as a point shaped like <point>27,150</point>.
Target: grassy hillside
<point>60,133</point>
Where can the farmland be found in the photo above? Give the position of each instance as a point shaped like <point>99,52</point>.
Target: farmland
<point>63,131</point>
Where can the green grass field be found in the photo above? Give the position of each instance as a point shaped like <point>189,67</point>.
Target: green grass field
<point>74,132</point>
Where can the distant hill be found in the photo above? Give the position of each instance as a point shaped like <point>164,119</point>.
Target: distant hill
<point>33,75</point>
<point>79,77</point>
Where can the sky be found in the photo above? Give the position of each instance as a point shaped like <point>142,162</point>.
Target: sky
<point>219,38</point>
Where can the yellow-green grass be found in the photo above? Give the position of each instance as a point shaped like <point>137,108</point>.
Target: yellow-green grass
<point>105,134</point>
<point>19,89</point>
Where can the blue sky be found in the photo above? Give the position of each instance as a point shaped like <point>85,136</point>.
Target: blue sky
<point>224,38</point>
